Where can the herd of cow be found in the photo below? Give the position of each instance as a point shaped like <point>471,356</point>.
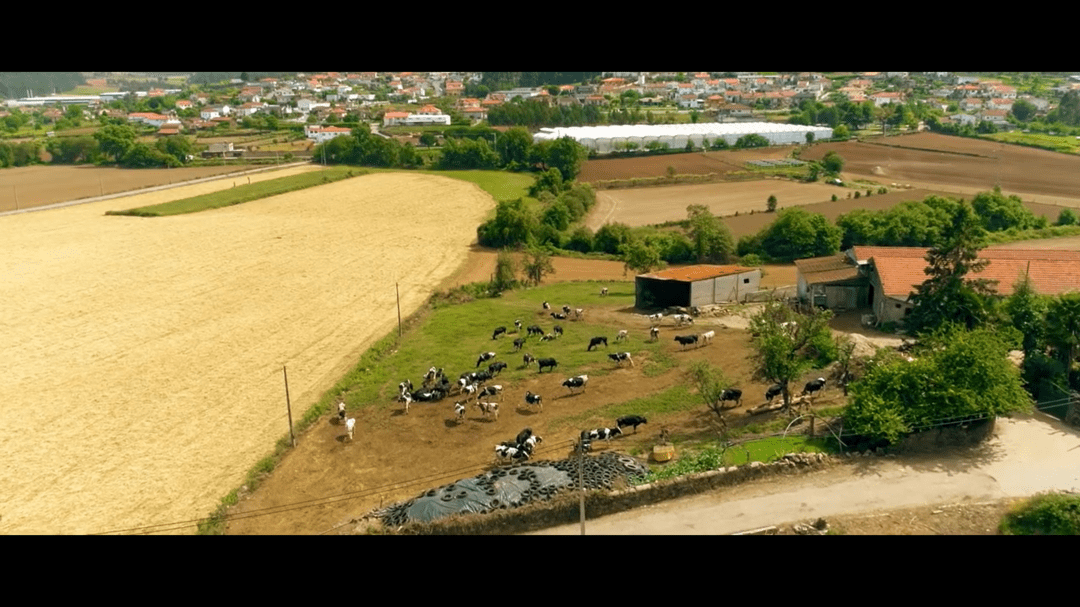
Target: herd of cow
<point>436,386</point>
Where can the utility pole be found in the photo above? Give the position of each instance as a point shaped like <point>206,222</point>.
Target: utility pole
<point>288,405</point>
<point>398,292</point>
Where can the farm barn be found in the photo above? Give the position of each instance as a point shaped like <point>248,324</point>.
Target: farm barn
<point>608,138</point>
<point>695,286</point>
<point>884,278</point>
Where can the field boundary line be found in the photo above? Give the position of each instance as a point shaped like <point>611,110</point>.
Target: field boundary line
<point>908,147</point>
<point>154,188</point>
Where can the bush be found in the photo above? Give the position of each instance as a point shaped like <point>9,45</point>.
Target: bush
<point>1044,514</point>
<point>751,260</point>
<point>834,197</point>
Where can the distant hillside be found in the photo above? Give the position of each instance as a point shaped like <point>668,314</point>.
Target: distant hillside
<point>16,84</point>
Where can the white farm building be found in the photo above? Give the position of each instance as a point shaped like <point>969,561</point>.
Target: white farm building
<point>608,138</point>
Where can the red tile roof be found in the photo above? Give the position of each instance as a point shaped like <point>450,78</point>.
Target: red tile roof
<point>692,273</point>
<point>1051,272</point>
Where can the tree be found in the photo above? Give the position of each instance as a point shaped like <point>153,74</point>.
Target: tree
<point>514,224</point>
<point>1023,110</point>
<point>428,139</point>
<point>753,140</point>
<point>1063,328</point>
<point>770,205</point>
<point>537,264</point>
<point>639,257</point>
<point>809,138</point>
<point>567,155</point>
<point>1026,312</point>
<point>177,146</point>
<point>999,212</point>
<point>710,383</point>
<point>832,162</point>
<point>505,272</point>
<point>611,237</point>
<point>785,340</point>
<point>1067,217</point>
<point>115,140</point>
<point>712,239</point>
<point>548,181</point>
<point>841,132</point>
<point>798,234</point>
<point>1068,111</point>
<point>948,295</point>
<point>513,147</point>
<point>956,374</point>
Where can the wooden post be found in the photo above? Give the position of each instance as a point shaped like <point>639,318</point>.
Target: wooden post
<point>288,405</point>
<point>398,292</point>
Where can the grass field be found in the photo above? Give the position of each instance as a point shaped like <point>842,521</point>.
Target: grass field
<point>243,193</point>
<point>1056,143</point>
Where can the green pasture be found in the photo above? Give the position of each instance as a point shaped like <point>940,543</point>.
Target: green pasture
<point>1055,143</point>
<point>241,194</point>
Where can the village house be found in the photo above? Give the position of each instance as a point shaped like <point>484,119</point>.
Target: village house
<point>996,117</point>
<point>322,134</point>
<point>971,103</point>
<point>886,98</point>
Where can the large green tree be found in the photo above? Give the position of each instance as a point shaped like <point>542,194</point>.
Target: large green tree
<point>956,373</point>
<point>797,234</point>
<point>712,239</point>
<point>115,140</point>
<point>513,147</point>
<point>567,155</point>
<point>789,344</point>
<point>951,293</point>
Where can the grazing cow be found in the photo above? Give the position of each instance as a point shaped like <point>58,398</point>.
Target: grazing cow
<point>576,382</point>
<point>498,331</point>
<point>490,391</point>
<point>621,335</point>
<point>558,316</point>
<point>341,411</point>
<point>773,391</point>
<point>535,330</point>
<point>686,340</point>
<point>813,386</point>
<point>459,411</point>
<point>605,433</point>
<point>534,399</point>
<point>682,319</point>
<point>495,368</point>
<point>656,318</point>
<point>621,357</point>
<point>706,337</point>
<point>518,343</point>
<point>488,408</point>
<point>654,333</point>
<point>558,331</point>
<point>596,341</point>
<point>482,376</point>
<point>470,390</point>
<point>350,425</point>
<point>547,306</point>
<point>603,292</point>
<point>548,337</point>
<point>579,312</point>
<point>631,420</point>
<point>734,394</point>
<point>517,323</point>
<point>486,356</point>
<point>528,359</point>
<point>566,309</point>
<point>546,362</point>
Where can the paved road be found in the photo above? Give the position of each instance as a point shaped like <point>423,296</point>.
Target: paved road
<point>1026,456</point>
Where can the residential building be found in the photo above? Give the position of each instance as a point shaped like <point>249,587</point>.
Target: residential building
<point>321,134</point>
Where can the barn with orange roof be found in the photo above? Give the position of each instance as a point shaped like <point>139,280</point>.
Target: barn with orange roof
<point>698,285</point>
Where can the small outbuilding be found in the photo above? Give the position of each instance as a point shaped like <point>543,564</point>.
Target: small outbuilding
<point>699,285</point>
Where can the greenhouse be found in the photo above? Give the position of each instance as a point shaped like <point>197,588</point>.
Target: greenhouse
<point>610,138</point>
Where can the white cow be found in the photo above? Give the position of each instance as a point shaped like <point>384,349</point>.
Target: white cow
<point>350,424</point>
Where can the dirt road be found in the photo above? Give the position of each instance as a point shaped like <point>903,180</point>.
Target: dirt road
<point>1026,456</point>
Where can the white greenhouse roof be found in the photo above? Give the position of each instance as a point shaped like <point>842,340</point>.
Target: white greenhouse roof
<point>711,129</point>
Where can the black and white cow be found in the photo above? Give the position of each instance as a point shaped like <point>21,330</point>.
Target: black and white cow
<point>558,331</point>
<point>494,390</point>
<point>341,411</point>
<point>505,454</point>
<point>498,331</point>
<point>734,394</point>
<point>656,318</point>
<point>682,319</point>
<point>459,411</point>
<point>517,323</point>
<point>576,382</point>
<point>631,420</point>
<point>522,437</point>
<point>566,309</point>
<point>596,341</point>
<point>534,399</point>
<point>528,359</point>
<point>547,306</point>
<point>605,433</point>
<point>621,335</point>
<point>813,386</point>
<point>773,391</point>
<point>603,292</point>
<point>535,330</point>
<point>548,337</point>
<point>686,340</point>
<point>529,444</point>
<point>621,357</point>
<point>518,343</point>
<point>486,356</point>
<point>495,368</point>
<point>558,316</point>
<point>654,333</point>
<point>546,362</point>
<point>405,386</point>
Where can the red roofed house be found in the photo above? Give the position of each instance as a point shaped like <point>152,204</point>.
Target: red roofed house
<point>884,278</point>
<point>881,99</point>
<point>392,118</point>
<point>325,133</point>
<point>694,286</point>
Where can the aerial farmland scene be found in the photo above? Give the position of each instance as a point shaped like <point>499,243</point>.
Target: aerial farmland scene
<point>540,303</point>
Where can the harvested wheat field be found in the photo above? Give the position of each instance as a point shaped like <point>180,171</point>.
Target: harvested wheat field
<point>144,368</point>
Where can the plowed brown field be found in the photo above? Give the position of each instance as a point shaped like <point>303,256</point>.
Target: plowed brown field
<point>694,163</point>
<point>143,375</point>
<point>37,186</point>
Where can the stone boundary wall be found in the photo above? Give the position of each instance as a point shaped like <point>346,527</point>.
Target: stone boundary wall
<point>565,508</point>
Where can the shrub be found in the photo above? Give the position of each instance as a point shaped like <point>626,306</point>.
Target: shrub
<point>857,194</point>
<point>1044,514</point>
<point>834,197</point>
<point>752,260</point>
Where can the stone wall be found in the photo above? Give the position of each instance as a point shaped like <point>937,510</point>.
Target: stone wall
<point>952,436</point>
